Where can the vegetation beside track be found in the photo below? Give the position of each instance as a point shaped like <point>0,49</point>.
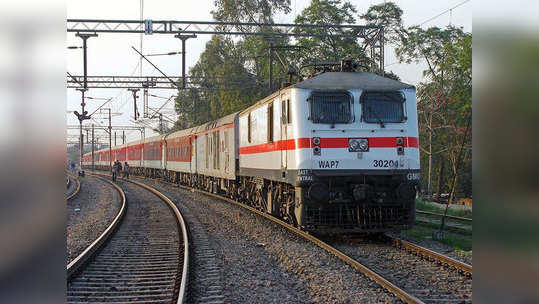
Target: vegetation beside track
<point>460,242</point>
<point>426,206</point>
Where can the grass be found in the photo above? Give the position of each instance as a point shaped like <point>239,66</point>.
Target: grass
<point>458,242</point>
<point>467,230</point>
<point>426,206</point>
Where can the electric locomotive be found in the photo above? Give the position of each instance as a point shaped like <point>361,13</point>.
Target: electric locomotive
<point>335,153</point>
<point>338,152</point>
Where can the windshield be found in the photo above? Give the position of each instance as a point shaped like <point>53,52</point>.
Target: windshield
<point>383,107</point>
<point>330,107</point>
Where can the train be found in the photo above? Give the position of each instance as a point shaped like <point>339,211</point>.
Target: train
<point>334,153</point>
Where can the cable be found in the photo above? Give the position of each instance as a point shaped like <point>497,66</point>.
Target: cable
<point>432,18</point>
<point>440,14</point>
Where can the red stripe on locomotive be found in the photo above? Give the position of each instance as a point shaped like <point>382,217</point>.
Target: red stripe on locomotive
<point>331,143</point>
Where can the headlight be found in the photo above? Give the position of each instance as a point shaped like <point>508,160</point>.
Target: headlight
<point>316,141</point>
<point>358,145</point>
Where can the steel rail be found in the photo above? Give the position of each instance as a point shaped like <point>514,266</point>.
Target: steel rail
<point>432,254</point>
<point>77,189</point>
<point>183,283</point>
<point>183,227</point>
<point>447,216</point>
<point>401,294</point>
<point>75,265</point>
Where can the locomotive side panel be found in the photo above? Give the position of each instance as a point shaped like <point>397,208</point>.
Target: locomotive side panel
<point>261,142</point>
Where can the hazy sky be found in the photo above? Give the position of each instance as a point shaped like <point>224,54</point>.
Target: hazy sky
<point>111,54</point>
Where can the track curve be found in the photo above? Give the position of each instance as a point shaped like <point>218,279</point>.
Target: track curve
<point>141,257</point>
<point>77,187</point>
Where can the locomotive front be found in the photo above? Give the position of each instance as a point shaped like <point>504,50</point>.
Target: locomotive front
<point>359,171</point>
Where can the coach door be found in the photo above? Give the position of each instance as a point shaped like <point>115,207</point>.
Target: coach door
<point>284,136</point>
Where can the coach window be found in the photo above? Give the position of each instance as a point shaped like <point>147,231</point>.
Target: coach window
<point>249,128</point>
<point>270,122</point>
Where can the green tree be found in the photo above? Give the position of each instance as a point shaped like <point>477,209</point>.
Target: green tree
<point>328,49</point>
<point>388,15</point>
<point>258,11</point>
<point>444,98</point>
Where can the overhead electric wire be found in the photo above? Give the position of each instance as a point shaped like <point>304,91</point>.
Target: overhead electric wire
<point>432,18</point>
<point>447,10</point>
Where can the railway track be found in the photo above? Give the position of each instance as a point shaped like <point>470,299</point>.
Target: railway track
<point>142,257</point>
<point>69,184</point>
<point>400,283</point>
<point>429,276</point>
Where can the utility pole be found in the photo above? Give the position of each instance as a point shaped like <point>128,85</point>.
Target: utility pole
<point>271,66</point>
<point>183,38</point>
<point>115,139</point>
<point>84,114</point>
<point>145,102</point>
<point>110,139</point>
<point>81,116</point>
<point>134,91</point>
<point>93,142</point>
<point>160,123</point>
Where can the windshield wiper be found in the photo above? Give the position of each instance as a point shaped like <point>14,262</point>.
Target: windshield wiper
<point>377,117</point>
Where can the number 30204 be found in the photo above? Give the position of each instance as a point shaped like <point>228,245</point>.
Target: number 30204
<point>385,163</point>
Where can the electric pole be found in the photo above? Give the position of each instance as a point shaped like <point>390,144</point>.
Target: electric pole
<point>183,38</point>
<point>93,142</point>
<point>134,91</point>
<point>81,116</point>
<point>84,114</point>
<point>271,66</point>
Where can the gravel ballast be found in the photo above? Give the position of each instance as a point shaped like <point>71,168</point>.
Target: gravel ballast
<point>265,263</point>
<point>425,279</point>
<point>89,214</point>
<point>437,247</point>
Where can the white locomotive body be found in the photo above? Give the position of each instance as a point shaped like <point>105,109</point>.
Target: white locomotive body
<point>335,153</point>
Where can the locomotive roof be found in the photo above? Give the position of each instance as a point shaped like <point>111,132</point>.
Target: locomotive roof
<point>366,81</point>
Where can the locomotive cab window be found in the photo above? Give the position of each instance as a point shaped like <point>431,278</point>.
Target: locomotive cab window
<point>331,107</point>
<point>383,107</point>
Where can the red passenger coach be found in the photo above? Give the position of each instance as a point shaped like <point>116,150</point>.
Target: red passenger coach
<point>119,154</point>
<point>179,149</point>
<point>152,154</point>
<point>134,153</point>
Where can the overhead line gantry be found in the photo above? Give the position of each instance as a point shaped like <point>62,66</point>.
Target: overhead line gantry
<point>373,36</point>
